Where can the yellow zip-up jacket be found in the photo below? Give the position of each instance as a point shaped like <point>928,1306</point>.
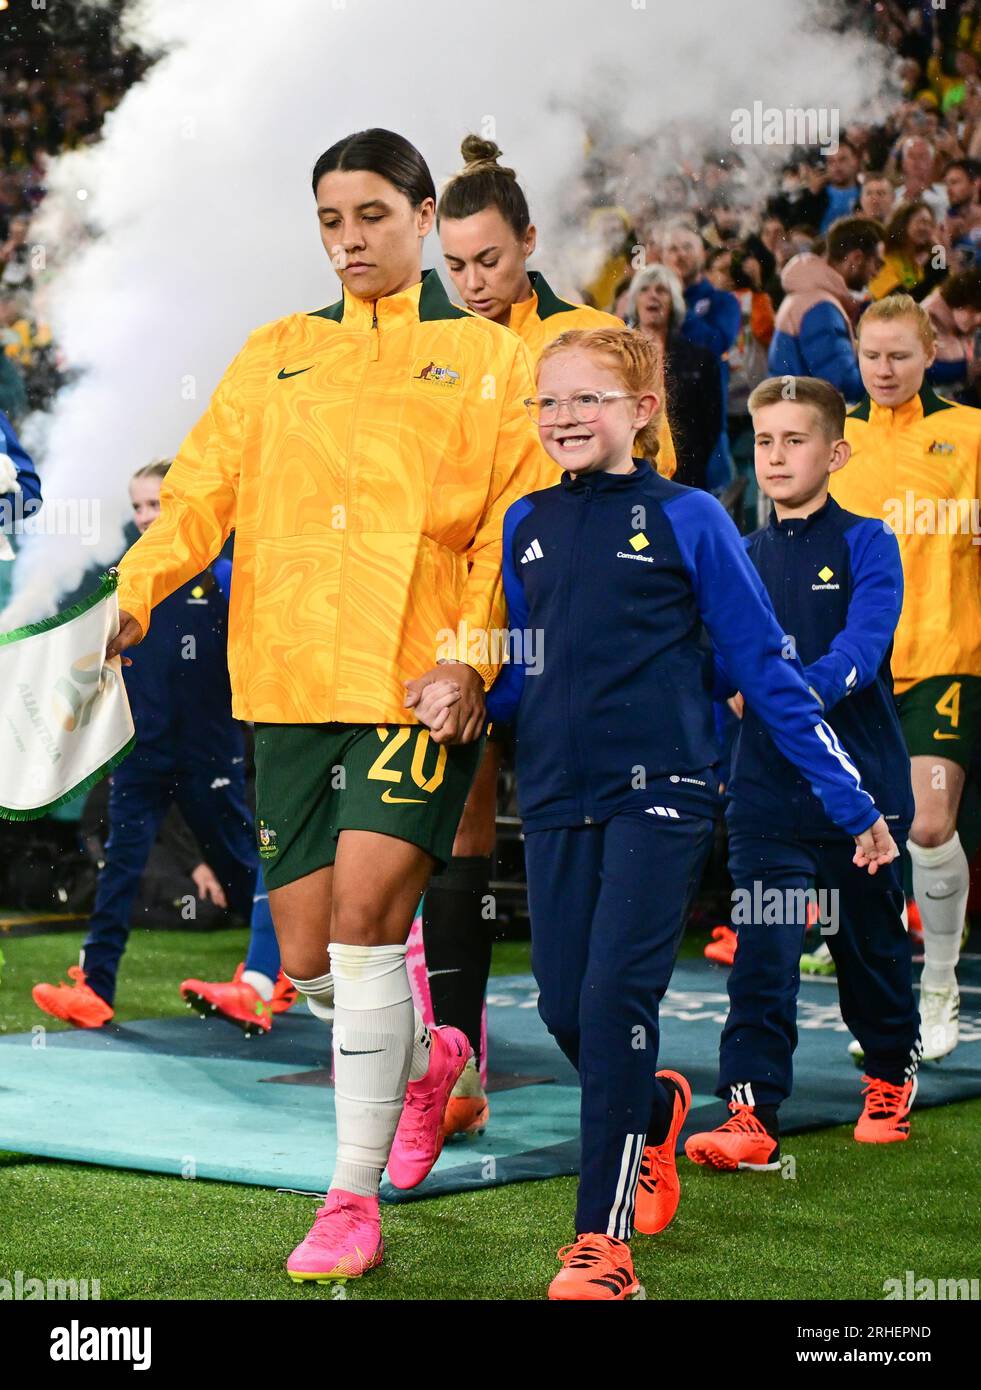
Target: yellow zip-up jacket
<point>919,468</point>
<point>364,455</point>
<point>544,316</point>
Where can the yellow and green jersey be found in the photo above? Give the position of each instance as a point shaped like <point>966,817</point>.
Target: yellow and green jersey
<point>918,467</point>
<point>364,455</point>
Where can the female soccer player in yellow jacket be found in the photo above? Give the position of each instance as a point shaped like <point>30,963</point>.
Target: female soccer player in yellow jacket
<point>916,462</point>
<point>486,234</point>
<point>364,455</point>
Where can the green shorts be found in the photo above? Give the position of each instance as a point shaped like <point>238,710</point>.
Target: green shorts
<point>941,717</point>
<point>314,780</point>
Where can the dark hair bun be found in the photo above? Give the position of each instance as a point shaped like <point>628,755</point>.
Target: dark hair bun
<point>477,151</point>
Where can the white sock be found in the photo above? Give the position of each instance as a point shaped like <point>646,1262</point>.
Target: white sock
<point>422,1042</point>
<point>262,984</point>
<point>373,1043</point>
<point>319,992</point>
<point>941,881</point>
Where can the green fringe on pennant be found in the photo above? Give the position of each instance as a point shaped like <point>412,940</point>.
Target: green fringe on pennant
<point>35,813</point>
<point>109,582</point>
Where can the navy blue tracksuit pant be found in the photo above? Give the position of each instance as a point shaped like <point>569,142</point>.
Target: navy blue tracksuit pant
<point>211,799</point>
<point>608,904</point>
<point>871,949</point>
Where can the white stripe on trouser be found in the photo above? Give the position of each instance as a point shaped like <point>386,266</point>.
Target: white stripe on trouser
<point>622,1211</point>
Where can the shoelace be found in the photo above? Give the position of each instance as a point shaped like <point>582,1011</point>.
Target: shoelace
<point>743,1121</point>
<point>586,1252</point>
<point>653,1166</point>
<point>351,1216</point>
<point>417,1108</point>
<point>882,1098</point>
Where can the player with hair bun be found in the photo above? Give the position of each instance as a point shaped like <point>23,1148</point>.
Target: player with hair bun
<point>487,236</point>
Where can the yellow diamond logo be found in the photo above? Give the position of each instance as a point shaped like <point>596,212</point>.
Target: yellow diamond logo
<point>197,592</point>
<point>640,541</point>
<point>825,574</point>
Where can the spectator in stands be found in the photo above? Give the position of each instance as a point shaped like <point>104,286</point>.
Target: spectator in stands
<point>674,196</point>
<point>15,256</point>
<point>962,179</point>
<point>724,217</point>
<point>917,161</point>
<point>878,198</point>
<point>739,272</point>
<point>775,239</point>
<point>656,307</point>
<point>814,334</point>
<point>909,264</point>
<point>712,321</point>
<point>955,312</point>
<point>806,203</point>
<point>842,189</point>
<point>961,227</point>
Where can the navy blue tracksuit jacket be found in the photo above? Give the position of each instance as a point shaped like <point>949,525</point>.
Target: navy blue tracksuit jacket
<point>628,579</point>
<point>617,585</point>
<point>836,583</point>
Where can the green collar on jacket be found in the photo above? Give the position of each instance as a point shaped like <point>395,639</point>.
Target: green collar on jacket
<point>434,303</point>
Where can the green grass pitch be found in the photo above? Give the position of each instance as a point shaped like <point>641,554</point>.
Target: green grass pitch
<point>851,1217</point>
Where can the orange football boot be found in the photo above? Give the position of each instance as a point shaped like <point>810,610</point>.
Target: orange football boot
<point>885,1119</point>
<point>595,1267</point>
<point>658,1188</point>
<point>234,1000</point>
<point>78,1003</point>
<point>722,948</point>
<point>742,1142</point>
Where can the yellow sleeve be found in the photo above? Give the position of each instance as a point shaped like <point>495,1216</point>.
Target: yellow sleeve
<point>197,508</point>
<point>517,470</point>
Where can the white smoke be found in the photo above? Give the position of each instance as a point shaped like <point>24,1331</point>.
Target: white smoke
<point>199,195</point>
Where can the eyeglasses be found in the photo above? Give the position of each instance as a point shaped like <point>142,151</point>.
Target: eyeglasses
<point>584,406</point>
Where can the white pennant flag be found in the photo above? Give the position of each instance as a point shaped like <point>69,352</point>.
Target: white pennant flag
<point>65,720</point>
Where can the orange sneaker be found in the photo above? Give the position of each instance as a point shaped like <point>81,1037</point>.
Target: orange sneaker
<point>658,1188</point>
<point>722,947</point>
<point>285,993</point>
<point>595,1267</point>
<point>234,1000</point>
<point>78,1003</point>
<point>742,1142</point>
<point>467,1110</point>
<point>885,1117</point>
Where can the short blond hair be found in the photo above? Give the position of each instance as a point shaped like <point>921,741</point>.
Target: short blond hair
<point>825,400</point>
<point>634,359</point>
<point>157,469</point>
<point>901,306</point>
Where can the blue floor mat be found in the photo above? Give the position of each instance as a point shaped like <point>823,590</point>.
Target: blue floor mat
<point>194,1097</point>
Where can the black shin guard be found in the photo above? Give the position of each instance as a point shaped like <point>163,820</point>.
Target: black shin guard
<point>457,938</point>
